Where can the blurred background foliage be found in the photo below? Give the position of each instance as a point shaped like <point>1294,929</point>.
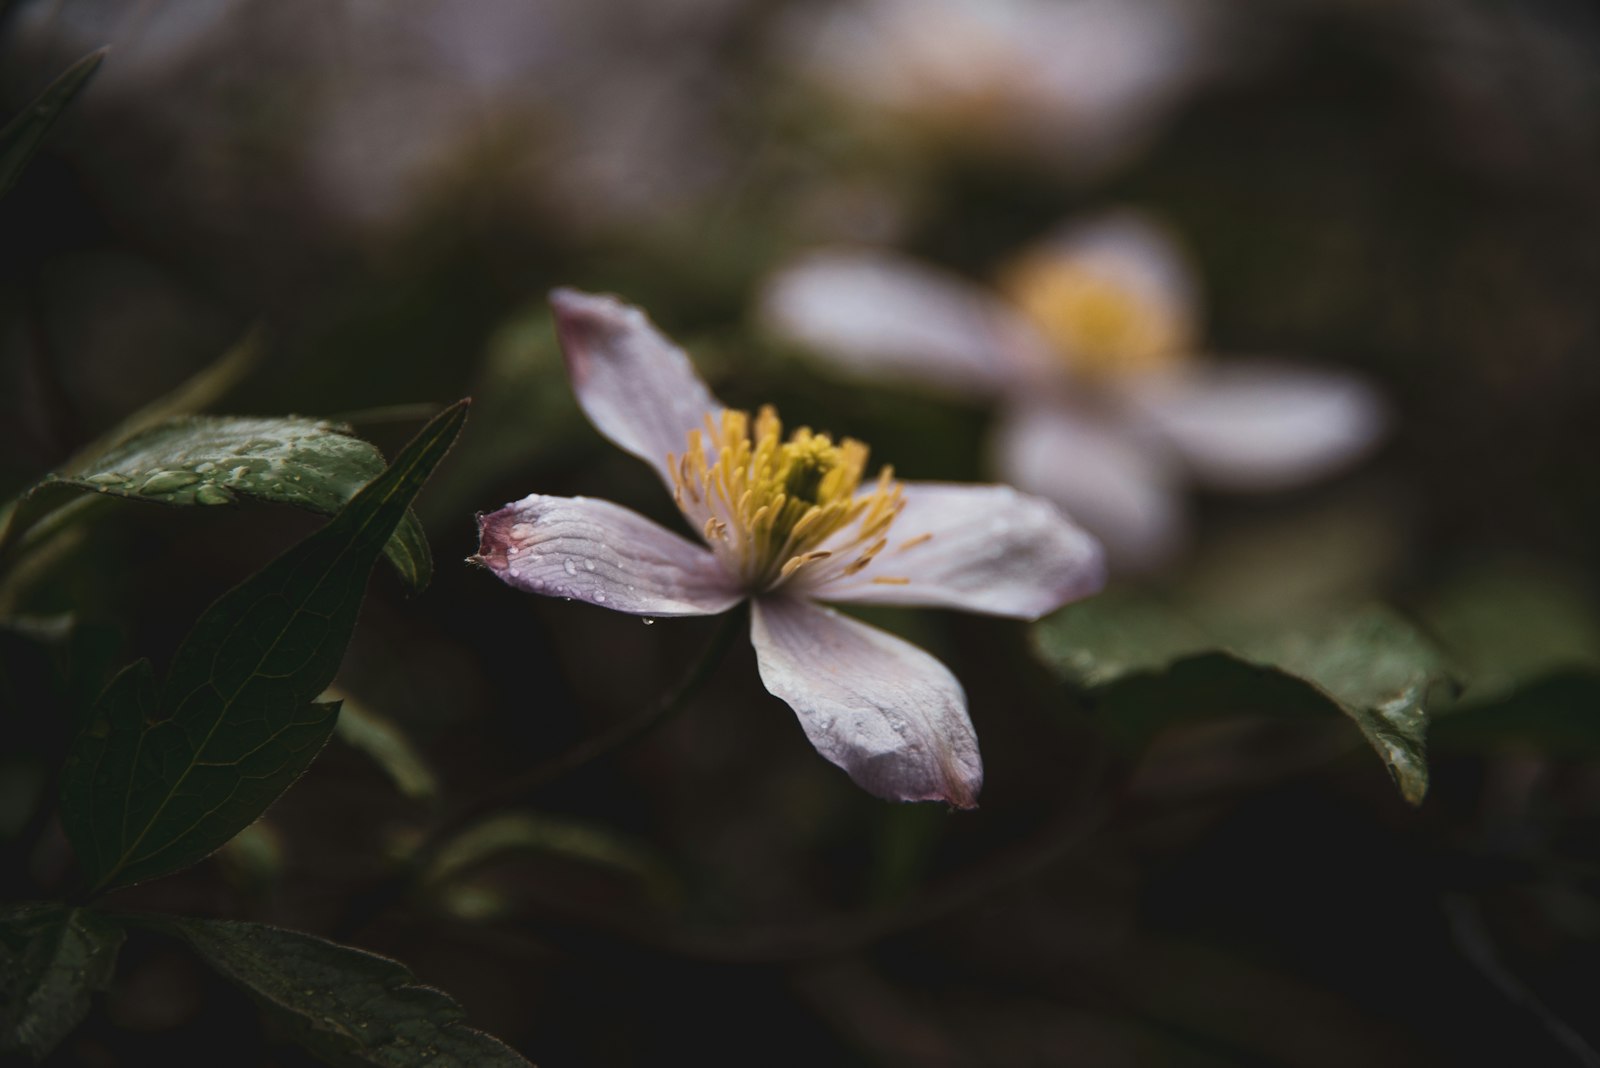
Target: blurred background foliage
<point>1407,188</point>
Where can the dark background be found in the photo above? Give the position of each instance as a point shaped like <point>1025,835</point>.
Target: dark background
<point>1410,189</point>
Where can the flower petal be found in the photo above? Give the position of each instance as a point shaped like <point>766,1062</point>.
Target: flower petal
<point>874,313</point>
<point>1263,426</point>
<point>602,553</point>
<point>880,708</point>
<point>636,387</point>
<point>1120,487</point>
<point>978,548</point>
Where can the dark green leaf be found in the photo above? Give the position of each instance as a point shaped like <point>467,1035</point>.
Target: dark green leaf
<point>52,957</point>
<point>344,1005</point>
<point>21,137</point>
<point>155,783</point>
<point>1366,662</point>
<point>217,459</point>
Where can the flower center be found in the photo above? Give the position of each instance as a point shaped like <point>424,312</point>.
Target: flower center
<point>773,509</point>
<point>1101,328</point>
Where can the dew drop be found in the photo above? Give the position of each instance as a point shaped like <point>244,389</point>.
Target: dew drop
<point>210,494</point>
<point>168,481</point>
<point>522,531</point>
<point>599,597</point>
<point>572,568</point>
<point>588,565</point>
<point>205,468</point>
<point>106,478</point>
<point>648,621</point>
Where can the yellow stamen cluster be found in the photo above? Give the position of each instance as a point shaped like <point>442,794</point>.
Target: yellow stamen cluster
<point>766,505</point>
<point>1101,326</point>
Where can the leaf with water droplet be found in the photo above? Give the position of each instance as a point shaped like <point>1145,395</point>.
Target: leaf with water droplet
<point>1155,664</point>
<point>192,762</point>
<point>212,460</point>
<point>52,958</point>
<point>344,1005</point>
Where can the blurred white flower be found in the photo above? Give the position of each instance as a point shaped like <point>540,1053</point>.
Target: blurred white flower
<point>1083,83</point>
<point>1090,349</point>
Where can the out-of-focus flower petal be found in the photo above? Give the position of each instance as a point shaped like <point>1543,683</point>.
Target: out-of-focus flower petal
<point>636,387</point>
<point>602,553</point>
<point>880,708</point>
<point>875,313</point>
<point>1122,488</point>
<point>1249,426</point>
<point>977,548</point>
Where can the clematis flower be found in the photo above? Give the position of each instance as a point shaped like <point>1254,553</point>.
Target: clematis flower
<point>785,523</point>
<point>1089,349</point>
<point>1080,84</point>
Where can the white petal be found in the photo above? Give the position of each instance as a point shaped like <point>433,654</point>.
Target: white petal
<point>1122,488</point>
<point>880,708</point>
<point>878,314</point>
<point>602,553</point>
<point>1262,426</point>
<point>636,387</point>
<point>978,548</point>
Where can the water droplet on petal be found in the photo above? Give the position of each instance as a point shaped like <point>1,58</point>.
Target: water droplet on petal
<point>599,597</point>
<point>572,568</point>
<point>588,565</point>
<point>647,620</point>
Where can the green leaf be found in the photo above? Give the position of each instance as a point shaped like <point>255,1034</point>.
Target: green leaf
<point>214,460</point>
<point>525,832</point>
<point>52,957</point>
<point>22,136</point>
<point>361,728</point>
<point>156,782</point>
<point>343,1005</point>
<point>1366,662</point>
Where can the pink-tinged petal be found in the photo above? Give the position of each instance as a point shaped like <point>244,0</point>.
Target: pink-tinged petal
<point>880,708</point>
<point>978,548</point>
<point>636,387</point>
<point>1121,487</point>
<point>1250,426</point>
<point>602,553</point>
<point>878,314</point>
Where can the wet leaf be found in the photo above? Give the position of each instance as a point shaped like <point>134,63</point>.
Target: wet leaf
<point>344,1005</point>
<point>52,958</point>
<point>1172,664</point>
<point>161,777</point>
<point>22,136</point>
<point>215,460</point>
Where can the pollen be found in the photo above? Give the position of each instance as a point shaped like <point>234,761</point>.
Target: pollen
<point>774,508</point>
<point>1101,327</point>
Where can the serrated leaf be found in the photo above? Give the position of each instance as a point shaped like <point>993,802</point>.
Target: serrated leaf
<point>22,136</point>
<point>52,958</point>
<point>362,728</point>
<point>1365,662</point>
<point>215,460</point>
<point>155,783</point>
<point>344,1005</point>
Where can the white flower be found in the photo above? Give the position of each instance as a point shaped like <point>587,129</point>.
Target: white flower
<point>786,523</point>
<point>1083,84</point>
<point>1089,349</point>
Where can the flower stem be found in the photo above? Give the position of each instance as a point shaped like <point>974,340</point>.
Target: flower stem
<point>509,791</point>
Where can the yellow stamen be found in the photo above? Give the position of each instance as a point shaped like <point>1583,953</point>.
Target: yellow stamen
<point>766,504</point>
<point>1102,326</point>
